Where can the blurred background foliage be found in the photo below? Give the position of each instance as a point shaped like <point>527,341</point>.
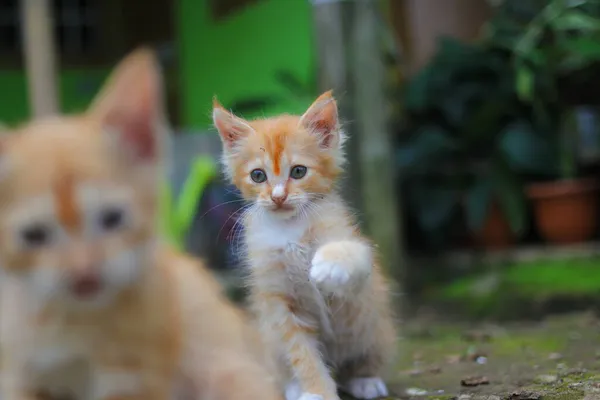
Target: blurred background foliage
<point>485,120</point>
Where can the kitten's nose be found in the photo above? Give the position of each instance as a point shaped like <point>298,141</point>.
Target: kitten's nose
<point>280,199</point>
<point>279,195</point>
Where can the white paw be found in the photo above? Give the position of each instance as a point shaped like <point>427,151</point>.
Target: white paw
<point>310,396</point>
<point>366,388</point>
<point>328,274</point>
<point>293,391</point>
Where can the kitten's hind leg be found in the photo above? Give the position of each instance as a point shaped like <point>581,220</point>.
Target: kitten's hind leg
<point>360,377</point>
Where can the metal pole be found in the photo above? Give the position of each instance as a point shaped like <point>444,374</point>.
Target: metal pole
<point>39,54</point>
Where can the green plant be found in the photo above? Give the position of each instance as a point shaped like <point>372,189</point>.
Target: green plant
<point>467,139</point>
<point>555,52</point>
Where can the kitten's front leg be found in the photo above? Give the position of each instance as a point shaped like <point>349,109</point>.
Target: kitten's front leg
<point>298,342</point>
<point>338,267</point>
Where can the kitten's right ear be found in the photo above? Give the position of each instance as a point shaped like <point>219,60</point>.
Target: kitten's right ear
<point>231,128</point>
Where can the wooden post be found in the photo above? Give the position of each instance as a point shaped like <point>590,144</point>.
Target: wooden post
<point>350,61</point>
<point>332,33</point>
<point>381,202</point>
<point>39,55</point>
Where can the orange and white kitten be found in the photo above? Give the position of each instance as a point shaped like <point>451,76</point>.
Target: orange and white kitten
<point>319,295</point>
<point>94,306</point>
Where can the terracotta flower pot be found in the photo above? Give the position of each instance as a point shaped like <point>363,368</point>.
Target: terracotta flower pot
<point>495,233</point>
<point>565,211</point>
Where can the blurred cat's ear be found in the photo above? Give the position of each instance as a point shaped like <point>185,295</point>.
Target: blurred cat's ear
<point>231,128</point>
<point>130,105</point>
<point>321,119</point>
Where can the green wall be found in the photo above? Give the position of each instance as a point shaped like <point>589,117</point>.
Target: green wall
<point>234,58</point>
<point>77,88</point>
<point>238,56</point>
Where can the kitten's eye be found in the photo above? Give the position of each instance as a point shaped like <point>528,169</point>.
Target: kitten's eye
<point>258,175</point>
<point>36,235</point>
<point>298,172</point>
<point>111,218</point>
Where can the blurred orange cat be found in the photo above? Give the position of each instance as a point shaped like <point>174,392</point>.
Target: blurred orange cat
<point>93,304</point>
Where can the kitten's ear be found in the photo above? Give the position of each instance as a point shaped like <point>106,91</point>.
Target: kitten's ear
<point>231,128</point>
<point>321,119</point>
<point>130,105</point>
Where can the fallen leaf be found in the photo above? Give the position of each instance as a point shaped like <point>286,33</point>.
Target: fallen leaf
<point>524,396</point>
<point>475,381</point>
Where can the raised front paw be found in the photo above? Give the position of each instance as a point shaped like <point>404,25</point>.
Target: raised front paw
<point>328,271</point>
<point>338,265</point>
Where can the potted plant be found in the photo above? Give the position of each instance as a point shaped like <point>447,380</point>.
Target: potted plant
<point>466,141</point>
<point>555,46</point>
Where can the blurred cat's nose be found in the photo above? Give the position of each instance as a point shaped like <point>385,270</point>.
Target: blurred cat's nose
<point>86,283</point>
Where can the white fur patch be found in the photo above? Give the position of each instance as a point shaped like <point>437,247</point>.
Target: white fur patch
<point>278,191</point>
<point>275,233</point>
<point>293,391</point>
<point>366,388</point>
<point>310,396</point>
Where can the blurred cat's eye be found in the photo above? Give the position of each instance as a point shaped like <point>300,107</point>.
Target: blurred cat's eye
<point>36,235</point>
<point>298,172</point>
<point>258,175</point>
<point>111,218</point>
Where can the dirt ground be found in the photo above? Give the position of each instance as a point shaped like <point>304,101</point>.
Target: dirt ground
<point>554,359</point>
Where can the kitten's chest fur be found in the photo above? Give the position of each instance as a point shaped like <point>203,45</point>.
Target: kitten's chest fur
<point>287,242</point>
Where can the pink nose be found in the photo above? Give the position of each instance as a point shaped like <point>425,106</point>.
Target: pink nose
<point>279,200</point>
<point>86,284</point>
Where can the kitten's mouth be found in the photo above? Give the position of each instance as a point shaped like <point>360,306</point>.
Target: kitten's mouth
<point>283,208</point>
<point>87,287</point>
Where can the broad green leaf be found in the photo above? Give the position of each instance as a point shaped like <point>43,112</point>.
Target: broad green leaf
<point>478,200</point>
<point>587,47</point>
<point>509,193</point>
<point>527,151</point>
<point>428,143</point>
<point>576,20</point>
<point>433,204</point>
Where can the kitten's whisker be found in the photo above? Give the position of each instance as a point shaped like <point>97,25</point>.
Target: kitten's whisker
<point>219,205</point>
<point>233,214</point>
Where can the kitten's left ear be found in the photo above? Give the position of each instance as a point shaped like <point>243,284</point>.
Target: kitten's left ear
<point>130,105</point>
<point>321,119</point>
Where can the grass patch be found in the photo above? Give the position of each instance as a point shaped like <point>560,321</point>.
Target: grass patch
<point>504,290</point>
<point>538,278</point>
